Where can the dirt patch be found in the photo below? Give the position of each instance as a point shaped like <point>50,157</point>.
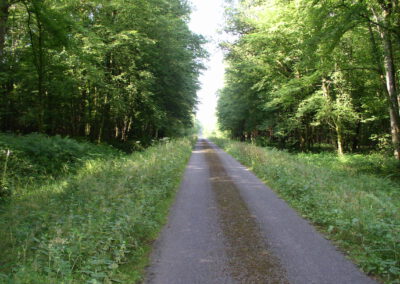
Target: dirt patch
<point>250,259</point>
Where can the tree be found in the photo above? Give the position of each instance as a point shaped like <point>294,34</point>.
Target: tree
<point>323,72</point>
<point>109,70</point>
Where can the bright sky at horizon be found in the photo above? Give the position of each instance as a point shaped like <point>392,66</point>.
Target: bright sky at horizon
<point>207,19</point>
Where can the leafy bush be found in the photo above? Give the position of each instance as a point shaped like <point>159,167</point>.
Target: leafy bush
<point>346,197</point>
<point>87,227</point>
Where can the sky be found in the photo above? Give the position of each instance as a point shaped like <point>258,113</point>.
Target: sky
<point>207,19</point>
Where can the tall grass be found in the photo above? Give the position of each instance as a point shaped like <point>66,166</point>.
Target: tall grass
<point>351,202</point>
<point>92,226</point>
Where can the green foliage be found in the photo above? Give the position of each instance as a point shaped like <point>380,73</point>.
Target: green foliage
<point>305,73</point>
<point>353,164</point>
<point>350,198</point>
<point>109,71</point>
<point>88,226</point>
<point>38,158</point>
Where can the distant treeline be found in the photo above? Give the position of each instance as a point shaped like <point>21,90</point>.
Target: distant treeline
<point>108,70</point>
<point>310,73</point>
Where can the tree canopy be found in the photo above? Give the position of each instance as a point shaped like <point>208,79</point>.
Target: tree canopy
<point>304,73</point>
<point>109,70</point>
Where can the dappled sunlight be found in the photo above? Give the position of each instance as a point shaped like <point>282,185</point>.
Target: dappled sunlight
<point>197,168</point>
<point>39,191</point>
<point>199,151</point>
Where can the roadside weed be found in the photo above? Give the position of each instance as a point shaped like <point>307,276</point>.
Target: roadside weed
<point>85,227</point>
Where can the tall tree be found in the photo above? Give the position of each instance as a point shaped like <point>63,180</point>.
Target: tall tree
<point>110,70</point>
<point>325,70</point>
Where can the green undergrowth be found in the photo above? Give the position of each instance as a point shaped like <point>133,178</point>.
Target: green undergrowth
<point>374,164</point>
<point>94,225</point>
<point>26,161</point>
<point>353,204</point>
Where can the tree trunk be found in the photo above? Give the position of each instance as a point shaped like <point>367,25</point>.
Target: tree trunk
<point>4,85</point>
<point>38,60</point>
<point>392,92</point>
<point>339,136</point>
<point>41,72</point>
<point>390,79</point>
<point>4,5</point>
<point>356,141</point>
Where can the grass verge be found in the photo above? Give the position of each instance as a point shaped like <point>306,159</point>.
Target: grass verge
<point>357,209</point>
<point>94,225</point>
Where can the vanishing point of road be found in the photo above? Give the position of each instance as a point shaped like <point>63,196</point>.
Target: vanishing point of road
<point>226,226</point>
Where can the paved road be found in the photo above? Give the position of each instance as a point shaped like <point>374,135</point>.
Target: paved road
<point>226,226</point>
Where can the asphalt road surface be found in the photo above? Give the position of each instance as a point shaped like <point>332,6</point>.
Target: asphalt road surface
<point>226,226</point>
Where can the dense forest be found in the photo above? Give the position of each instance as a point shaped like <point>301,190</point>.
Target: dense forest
<point>110,71</point>
<point>122,73</point>
<point>305,74</point>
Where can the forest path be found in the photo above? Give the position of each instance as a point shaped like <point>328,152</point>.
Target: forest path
<point>226,226</point>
